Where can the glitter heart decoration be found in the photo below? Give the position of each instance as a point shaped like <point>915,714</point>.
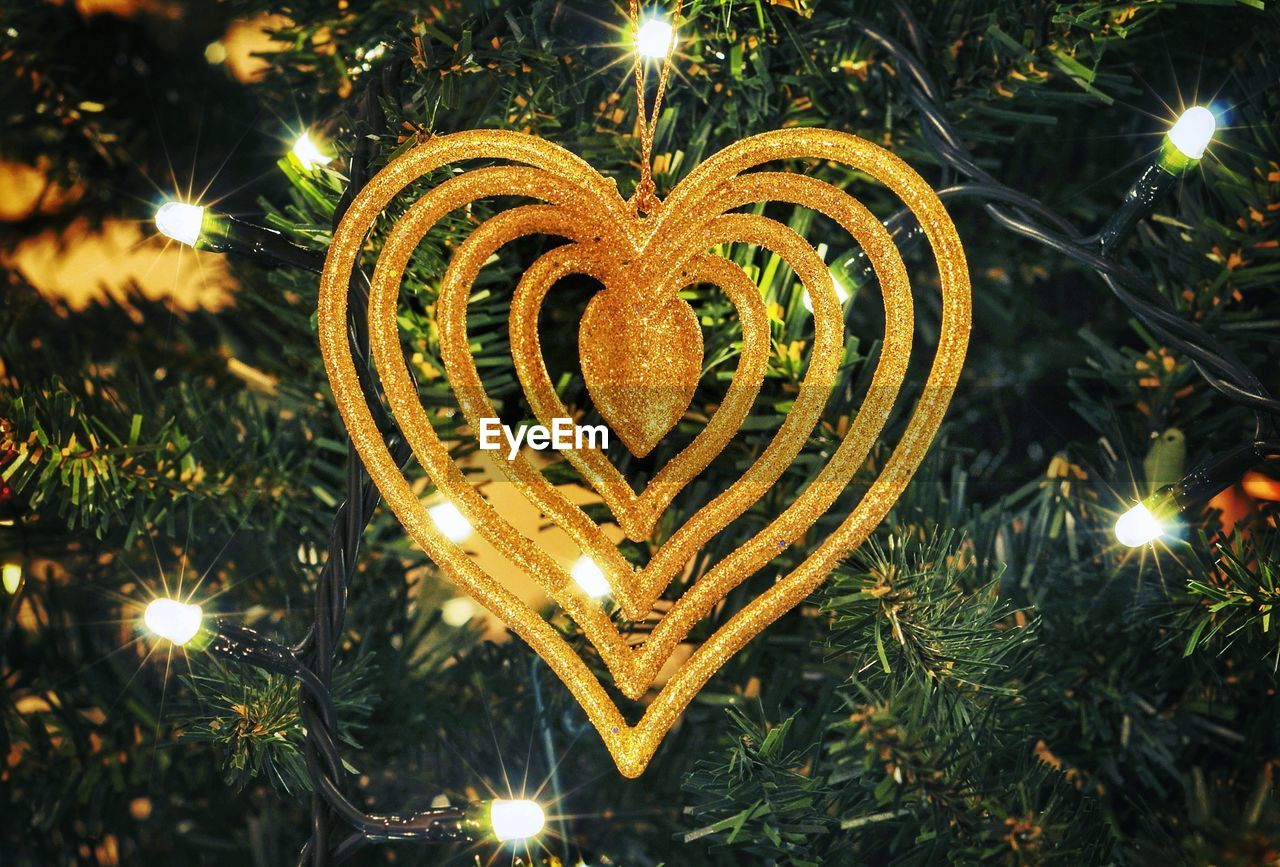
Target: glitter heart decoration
<point>640,349</point>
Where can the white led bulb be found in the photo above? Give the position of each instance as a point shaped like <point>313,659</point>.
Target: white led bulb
<point>174,620</point>
<point>515,820</point>
<point>655,38</point>
<point>1193,131</point>
<point>1138,526</point>
<point>180,221</point>
<point>590,578</point>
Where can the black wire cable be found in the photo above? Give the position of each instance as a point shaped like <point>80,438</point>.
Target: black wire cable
<point>344,540</point>
<point>1176,330</point>
<point>1214,362</point>
<point>1157,316</point>
<point>320,644</point>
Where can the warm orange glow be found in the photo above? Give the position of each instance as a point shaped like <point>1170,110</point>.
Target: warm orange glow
<point>28,190</point>
<point>82,264</point>
<point>244,41</point>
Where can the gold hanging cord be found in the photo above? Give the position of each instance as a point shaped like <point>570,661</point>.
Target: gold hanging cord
<point>646,199</point>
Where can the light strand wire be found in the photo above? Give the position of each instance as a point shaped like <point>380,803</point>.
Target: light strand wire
<point>1219,368</point>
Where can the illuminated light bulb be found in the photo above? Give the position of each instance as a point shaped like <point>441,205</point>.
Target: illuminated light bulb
<point>12,577</point>
<point>450,521</point>
<point>655,38</point>
<point>590,578</point>
<point>1138,526</point>
<point>309,153</point>
<point>180,221</point>
<point>1193,131</point>
<point>842,292</point>
<point>457,611</point>
<point>174,620</point>
<point>515,820</point>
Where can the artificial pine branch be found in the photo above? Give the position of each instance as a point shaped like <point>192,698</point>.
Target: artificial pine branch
<point>1035,695</point>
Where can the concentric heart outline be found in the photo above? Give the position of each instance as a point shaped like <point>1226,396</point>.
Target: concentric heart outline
<point>552,266</point>
<point>638,513</point>
<point>632,669</point>
<point>632,746</point>
<point>814,388</point>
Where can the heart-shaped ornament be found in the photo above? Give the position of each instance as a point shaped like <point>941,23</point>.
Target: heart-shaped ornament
<point>640,348</point>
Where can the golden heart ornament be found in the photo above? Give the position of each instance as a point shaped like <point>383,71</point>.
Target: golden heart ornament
<point>640,348</point>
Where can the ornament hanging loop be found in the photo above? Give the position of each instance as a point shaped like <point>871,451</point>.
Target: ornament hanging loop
<point>645,200</point>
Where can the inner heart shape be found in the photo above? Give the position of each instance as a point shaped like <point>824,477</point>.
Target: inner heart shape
<point>642,262</point>
<point>638,383</point>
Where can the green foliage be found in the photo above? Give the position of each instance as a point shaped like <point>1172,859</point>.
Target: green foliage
<point>98,467</point>
<point>783,811</point>
<point>929,724</point>
<point>251,718</point>
<point>1235,600</point>
<point>926,620</point>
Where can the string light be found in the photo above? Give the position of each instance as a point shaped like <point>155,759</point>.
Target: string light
<point>655,38</point>
<point>501,820</point>
<point>180,221</point>
<point>458,611</point>
<point>1183,147</point>
<point>203,229</point>
<point>1153,517</point>
<point>450,521</point>
<point>842,292</point>
<point>504,820</point>
<point>177,621</point>
<point>515,820</point>
<point>308,153</point>
<point>1047,227</point>
<point>11,574</point>
<point>1138,526</point>
<point>1193,131</point>
<point>590,578</point>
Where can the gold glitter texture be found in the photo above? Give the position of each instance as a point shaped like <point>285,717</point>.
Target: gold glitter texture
<point>638,383</point>
<point>642,336</point>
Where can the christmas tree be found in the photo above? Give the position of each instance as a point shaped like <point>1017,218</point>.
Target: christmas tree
<point>220,645</point>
